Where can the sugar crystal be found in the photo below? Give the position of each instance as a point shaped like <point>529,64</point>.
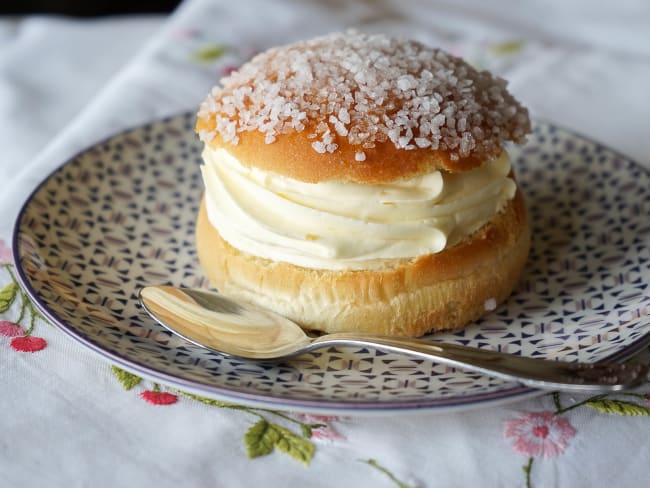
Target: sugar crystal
<point>367,89</point>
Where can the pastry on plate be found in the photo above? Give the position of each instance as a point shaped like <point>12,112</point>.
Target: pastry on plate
<point>360,183</point>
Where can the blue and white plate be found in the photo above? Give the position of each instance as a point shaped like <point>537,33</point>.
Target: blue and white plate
<point>120,215</point>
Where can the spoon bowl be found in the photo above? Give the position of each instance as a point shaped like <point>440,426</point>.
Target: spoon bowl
<point>224,325</point>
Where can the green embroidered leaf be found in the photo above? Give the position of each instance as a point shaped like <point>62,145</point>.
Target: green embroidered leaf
<point>507,47</point>
<point>263,437</point>
<point>211,402</point>
<point>619,407</point>
<point>527,468</point>
<point>295,446</point>
<point>210,53</point>
<point>306,430</point>
<point>128,380</point>
<point>391,476</point>
<point>7,296</point>
<point>260,439</point>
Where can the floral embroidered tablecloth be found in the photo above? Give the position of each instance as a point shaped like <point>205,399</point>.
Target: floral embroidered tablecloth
<point>72,419</point>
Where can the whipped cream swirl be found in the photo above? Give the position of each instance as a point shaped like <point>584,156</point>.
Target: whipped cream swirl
<point>343,225</point>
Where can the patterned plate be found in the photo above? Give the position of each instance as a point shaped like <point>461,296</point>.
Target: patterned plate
<point>121,215</point>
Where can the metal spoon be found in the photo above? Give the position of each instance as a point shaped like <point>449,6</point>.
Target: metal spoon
<point>224,325</point>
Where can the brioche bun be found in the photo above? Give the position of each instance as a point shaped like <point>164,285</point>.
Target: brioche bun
<point>367,136</point>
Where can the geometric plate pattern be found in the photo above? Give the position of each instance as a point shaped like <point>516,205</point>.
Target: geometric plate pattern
<point>120,215</point>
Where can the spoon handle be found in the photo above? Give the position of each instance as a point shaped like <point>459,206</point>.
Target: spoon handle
<point>536,373</point>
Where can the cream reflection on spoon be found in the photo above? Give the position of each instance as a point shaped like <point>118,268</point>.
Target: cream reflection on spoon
<point>208,319</point>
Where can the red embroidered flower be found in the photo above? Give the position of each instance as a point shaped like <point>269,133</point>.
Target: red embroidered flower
<point>539,433</point>
<point>9,329</point>
<point>5,253</point>
<point>28,344</point>
<point>159,397</point>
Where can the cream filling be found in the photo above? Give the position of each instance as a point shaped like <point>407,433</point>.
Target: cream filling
<point>344,225</point>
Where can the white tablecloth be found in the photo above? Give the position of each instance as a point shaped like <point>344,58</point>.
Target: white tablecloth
<point>67,420</point>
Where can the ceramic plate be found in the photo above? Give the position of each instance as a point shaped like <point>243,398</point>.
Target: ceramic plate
<point>120,215</point>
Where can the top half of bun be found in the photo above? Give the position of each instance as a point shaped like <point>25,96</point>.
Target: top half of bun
<point>363,108</point>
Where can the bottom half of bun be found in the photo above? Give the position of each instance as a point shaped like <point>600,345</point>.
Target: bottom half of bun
<point>405,297</point>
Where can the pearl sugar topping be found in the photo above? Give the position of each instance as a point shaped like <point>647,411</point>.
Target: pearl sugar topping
<point>367,89</point>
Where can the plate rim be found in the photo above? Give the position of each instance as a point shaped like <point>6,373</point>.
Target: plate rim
<point>224,393</point>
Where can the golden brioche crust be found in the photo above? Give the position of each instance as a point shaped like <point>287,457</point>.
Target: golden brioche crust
<point>408,297</point>
<point>368,108</point>
<point>291,155</point>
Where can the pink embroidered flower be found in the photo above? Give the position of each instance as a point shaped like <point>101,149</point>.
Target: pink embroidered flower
<point>326,434</point>
<point>28,344</point>
<point>539,433</point>
<point>5,253</point>
<point>9,329</point>
<point>318,419</point>
<point>159,397</point>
